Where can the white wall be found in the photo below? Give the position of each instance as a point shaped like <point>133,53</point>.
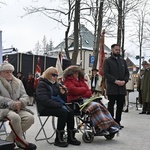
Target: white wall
<point>1,47</point>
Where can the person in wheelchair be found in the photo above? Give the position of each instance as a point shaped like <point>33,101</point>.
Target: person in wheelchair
<point>50,98</point>
<point>77,89</point>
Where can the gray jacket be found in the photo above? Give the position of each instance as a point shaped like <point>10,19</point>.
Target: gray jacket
<point>115,69</point>
<point>10,92</point>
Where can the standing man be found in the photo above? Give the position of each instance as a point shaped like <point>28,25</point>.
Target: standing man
<point>139,87</point>
<point>145,89</point>
<point>116,74</point>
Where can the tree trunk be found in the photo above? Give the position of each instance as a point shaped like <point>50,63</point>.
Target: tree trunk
<point>119,37</point>
<point>66,43</point>
<point>100,18</point>
<point>76,32</point>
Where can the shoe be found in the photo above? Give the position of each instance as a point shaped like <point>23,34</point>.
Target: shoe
<point>127,110</point>
<point>148,113</point>
<point>103,132</point>
<point>121,127</point>
<point>71,137</point>
<point>60,143</point>
<point>113,130</point>
<point>143,112</point>
<point>30,146</point>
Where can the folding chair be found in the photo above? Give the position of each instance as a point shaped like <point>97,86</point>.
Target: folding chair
<point>42,123</point>
<point>3,130</point>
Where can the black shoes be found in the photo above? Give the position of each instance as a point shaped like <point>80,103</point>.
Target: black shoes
<point>121,127</point>
<point>127,110</point>
<point>143,112</point>
<point>30,146</point>
<point>60,143</point>
<point>148,113</point>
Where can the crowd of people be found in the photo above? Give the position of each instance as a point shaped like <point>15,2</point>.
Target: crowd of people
<point>52,95</point>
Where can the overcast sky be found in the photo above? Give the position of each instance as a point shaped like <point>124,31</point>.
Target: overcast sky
<point>24,33</point>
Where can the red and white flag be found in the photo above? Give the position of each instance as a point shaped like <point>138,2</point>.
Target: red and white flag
<point>37,73</point>
<point>101,53</point>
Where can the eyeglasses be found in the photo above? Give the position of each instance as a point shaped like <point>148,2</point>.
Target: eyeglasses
<point>55,75</point>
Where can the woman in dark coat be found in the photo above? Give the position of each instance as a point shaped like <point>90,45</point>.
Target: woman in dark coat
<point>30,88</point>
<point>50,102</point>
<point>77,88</point>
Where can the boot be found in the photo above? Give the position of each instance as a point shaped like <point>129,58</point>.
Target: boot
<point>59,141</point>
<point>71,137</point>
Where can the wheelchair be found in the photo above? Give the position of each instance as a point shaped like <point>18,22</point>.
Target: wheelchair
<point>83,122</point>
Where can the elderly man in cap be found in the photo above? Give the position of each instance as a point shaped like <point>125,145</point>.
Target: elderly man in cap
<point>142,87</point>
<point>13,101</point>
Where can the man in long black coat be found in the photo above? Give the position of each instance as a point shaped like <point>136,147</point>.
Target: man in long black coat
<point>116,74</point>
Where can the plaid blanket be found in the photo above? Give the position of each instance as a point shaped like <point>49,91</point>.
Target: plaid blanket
<point>100,116</point>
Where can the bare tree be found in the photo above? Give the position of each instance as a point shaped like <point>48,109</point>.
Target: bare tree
<point>76,32</point>
<point>44,44</point>
<point>141,25</point>
<point>97,38</point>
<point>37,48</point>
<point>59,15</point>
<point>123,8</point>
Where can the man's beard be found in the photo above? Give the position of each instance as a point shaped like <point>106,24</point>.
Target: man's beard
<point>116,55</point>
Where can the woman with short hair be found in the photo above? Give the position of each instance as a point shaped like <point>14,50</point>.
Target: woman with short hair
<point>50,102</point>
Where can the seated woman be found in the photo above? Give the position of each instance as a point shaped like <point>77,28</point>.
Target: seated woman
<point>50,99</point>
<point>77,88</point>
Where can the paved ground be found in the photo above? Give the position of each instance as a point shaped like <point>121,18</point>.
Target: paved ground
<point>135,135</point>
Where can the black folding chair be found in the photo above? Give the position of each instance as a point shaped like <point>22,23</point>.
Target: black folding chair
<point>43,120</point>
<point>3,130</point>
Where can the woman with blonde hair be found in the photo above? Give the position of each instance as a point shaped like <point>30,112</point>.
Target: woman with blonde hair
<point>51,101</point>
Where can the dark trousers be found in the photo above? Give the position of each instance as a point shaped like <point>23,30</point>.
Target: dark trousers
<point>119,100</point>
<point>64,117</point>
<point>146,107</point>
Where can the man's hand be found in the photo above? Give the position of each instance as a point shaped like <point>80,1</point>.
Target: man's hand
<point>17,106</point>
<point>119,82</point>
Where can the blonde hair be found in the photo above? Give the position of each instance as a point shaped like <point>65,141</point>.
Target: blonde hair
<point>47,74</point>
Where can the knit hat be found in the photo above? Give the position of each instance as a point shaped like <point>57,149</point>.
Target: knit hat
<point>6,66</point>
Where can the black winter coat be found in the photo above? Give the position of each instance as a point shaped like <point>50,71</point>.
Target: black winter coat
<point>115,69</point>
<point>43,95</point>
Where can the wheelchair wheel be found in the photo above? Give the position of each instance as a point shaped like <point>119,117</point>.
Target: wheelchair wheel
<point>88,137</point>
<point>109,137</point>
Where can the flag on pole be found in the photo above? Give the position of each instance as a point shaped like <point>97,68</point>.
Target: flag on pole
<point>59,63</point>
<point>101,53</point>
<point>37,73</point>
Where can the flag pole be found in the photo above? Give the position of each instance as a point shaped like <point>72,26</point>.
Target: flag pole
<point>101,59</point>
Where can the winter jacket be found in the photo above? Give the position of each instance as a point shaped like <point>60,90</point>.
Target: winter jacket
<point>76,88</point>
<point>10,92</point>
<point>145,85</point>
<point>44,92</point>
<point>115,69</point>
<point>30,86</point>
